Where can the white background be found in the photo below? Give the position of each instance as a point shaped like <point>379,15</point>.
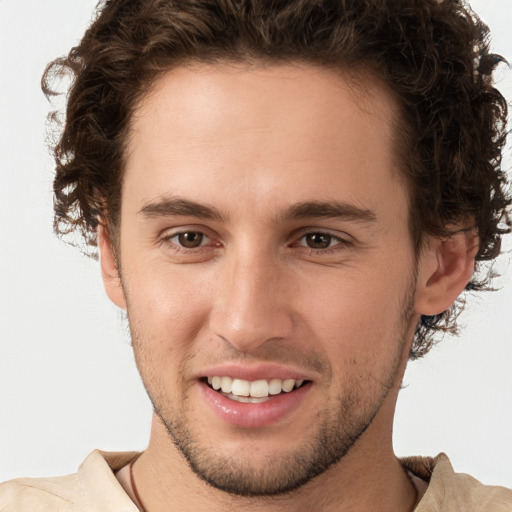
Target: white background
<point>67,380</point>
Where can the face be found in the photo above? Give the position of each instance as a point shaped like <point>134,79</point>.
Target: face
<point>264,249</point>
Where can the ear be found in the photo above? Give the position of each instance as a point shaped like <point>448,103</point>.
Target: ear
<point>445,267</point>
<point>109,270</point>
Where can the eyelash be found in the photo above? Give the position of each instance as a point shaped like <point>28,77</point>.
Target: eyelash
<point>180,248</point>
<point>340,245</point>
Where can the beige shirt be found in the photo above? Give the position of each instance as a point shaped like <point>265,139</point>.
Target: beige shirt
<point>95,488</point>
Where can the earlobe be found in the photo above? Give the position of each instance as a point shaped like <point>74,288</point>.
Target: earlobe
<point>445,268</point>
<point>109,270</point>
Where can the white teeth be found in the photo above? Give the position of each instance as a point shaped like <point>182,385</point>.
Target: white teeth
<point>249,399</point>
<point>240,387</point>
<point>216,382</point>
<point>288,385</point>
<point>275,386</point>
<point>226,384</point>
<point>257,390</point>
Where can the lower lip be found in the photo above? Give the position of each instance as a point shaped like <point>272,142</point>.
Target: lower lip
<point>256,415</point>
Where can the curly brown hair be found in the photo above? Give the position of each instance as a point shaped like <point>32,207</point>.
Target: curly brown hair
<point>433,54</point>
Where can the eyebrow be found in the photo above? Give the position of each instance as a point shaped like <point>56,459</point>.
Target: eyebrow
<point>176,206</point>
<point>330,210</point>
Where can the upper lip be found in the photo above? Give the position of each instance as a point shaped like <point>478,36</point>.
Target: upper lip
<point>254,372</point>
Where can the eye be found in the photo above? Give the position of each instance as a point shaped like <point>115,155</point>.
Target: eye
<point>319,240</point>
<point>190,244</point>
<point>189,239</point>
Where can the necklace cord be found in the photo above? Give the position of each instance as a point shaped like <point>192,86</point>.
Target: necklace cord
<point>134,487</point>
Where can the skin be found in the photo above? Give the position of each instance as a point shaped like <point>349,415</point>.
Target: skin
<point>251,142</point>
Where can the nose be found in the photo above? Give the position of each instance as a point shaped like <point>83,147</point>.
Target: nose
<point>251,305</point>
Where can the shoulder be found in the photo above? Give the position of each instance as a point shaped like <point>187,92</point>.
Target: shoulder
<point>451,491</point>
<point>42,494</point>
<point>468,491</point>
<point>94,488</point>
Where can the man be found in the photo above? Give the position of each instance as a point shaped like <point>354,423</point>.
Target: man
<point>287,199</point>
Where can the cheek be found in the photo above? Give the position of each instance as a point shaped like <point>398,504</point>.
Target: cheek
<point>165,317</point>
<point>166,305</point>
<point>358,314</point>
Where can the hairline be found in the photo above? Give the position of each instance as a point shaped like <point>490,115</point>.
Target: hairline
<point>360,79</point>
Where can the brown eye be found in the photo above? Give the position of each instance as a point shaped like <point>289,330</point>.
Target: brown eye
<point>190,239</point>
<point>318,240</point>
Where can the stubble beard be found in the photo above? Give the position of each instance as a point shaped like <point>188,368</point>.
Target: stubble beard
<point>332,441</point>
<point>335,436</point>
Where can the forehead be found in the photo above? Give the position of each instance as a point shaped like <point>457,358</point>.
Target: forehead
<point>197,95</point>
<point>298,129</point>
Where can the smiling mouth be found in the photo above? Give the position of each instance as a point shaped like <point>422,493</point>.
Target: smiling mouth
<point>257,391</point>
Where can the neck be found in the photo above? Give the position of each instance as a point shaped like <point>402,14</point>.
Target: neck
<point>368,478</point>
